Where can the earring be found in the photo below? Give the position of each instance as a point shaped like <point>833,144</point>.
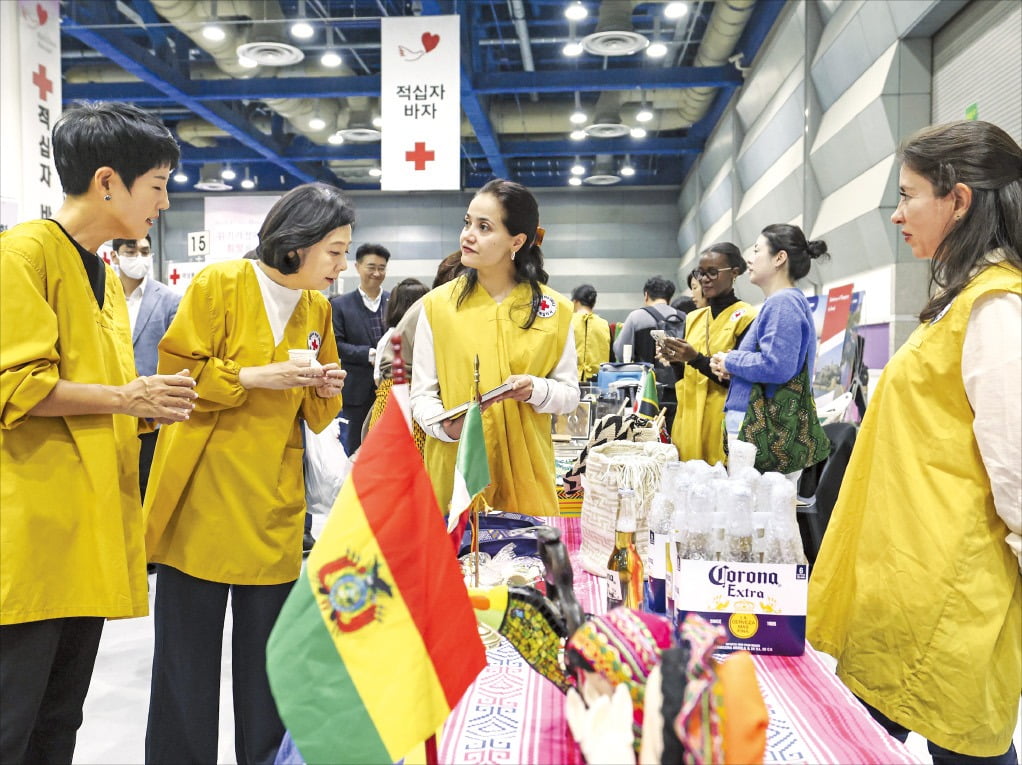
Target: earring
<point>107,198</point>
<point>513,253</point>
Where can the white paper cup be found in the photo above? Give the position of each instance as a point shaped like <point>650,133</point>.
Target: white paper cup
<point>741,454</point>
<point>626,354</point>
<point>303,354</point>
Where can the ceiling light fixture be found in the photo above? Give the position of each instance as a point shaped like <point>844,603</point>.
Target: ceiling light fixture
<point>317,123</point>
<point>330,58</point>
<point>675,10</point>
<point>180,177</point>
<point>638,132</point>
<point>578,134</point>
<point>377,122</point>
<point>336,139</point>
<point>248,63</point>
<point>578,116</point>
<point>645,114</point>
<point>576,11</point>
<point>302,29</point>
<point>247,182</point>
<point>626,169</point>
<point>212,30</point>
<point>574,181</point>
<point>572,49</point>
<point>656,49</point>
<point>375,172</point>
<point>228,174</point>
<point>578,168</point>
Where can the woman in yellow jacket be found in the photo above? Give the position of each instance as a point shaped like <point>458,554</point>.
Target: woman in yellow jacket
<point>917,589</point>
<point>592,333</point>
<point>225,505</point>
<point>717,327</point>
<point>71,405</point>
<point>501,311</point>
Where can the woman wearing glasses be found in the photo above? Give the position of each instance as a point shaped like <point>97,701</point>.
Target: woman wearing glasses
<point>719,326</point>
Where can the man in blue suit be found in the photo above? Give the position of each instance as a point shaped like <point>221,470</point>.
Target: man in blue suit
<point>358,326</point>
<point>151,308</point>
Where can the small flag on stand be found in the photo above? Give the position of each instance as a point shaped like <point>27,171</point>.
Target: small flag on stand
<point>377,641</point>
<point>647,403</point>
<point>471,473</point>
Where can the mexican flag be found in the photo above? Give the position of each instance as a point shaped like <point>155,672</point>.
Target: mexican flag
<point>377,641</point>
<point>472,469</point>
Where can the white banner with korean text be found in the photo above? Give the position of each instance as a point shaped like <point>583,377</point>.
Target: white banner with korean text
<point>420,95</point>
<point>31,104</point>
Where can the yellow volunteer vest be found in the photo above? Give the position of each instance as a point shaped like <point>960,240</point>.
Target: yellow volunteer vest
<point>592,343</point>
<point>698,423</point>
<point>70,517</point>
<point>226,496</point>
<point>915,591</point>
<point>518,442</point>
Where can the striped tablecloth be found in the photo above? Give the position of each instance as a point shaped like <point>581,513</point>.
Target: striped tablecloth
<point>512,715</point>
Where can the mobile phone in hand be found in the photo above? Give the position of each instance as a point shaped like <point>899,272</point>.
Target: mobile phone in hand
<point>658,336</point>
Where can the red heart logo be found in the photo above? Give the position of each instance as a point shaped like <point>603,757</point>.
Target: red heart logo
<point>430,41</point>
<point>41,12</point>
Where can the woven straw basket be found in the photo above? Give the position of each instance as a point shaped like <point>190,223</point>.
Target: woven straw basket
<point>612,466</point>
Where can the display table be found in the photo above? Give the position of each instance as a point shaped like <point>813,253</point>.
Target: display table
<point>512,715</point>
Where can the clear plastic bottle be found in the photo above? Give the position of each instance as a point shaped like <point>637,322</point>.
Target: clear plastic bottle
<point>782,541</point>
<point>738,534</point>
<point>625,578</point>
<point>661,511</point>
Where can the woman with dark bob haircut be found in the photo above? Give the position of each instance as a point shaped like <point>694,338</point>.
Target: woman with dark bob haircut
<point>501,311</point>
<point>917,589</point>
<point>225,506</point>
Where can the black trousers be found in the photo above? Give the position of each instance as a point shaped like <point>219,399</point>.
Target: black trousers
<point>355,415</point>
<point>185,698</point>
<point>146,449</point>
<point>45,671</point>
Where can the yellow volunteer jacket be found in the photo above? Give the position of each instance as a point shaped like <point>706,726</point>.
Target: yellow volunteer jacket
<point>697,432</point>
<point>518,442</point>
<point>915,591</point>
<point>70,518</point>
<point>226,495</point>
<point>592,343</point>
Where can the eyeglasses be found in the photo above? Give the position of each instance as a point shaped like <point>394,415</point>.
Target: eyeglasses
<point>710,273</point>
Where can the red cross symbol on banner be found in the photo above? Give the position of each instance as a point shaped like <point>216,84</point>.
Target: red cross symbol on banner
<point>41,81</point>
<point>174,276</point>
<point>420,156</point>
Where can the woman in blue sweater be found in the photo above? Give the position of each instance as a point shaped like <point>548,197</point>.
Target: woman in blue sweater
<point>782,339</point>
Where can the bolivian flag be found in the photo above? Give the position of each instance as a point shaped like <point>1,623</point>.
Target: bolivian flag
<point>377,641</point>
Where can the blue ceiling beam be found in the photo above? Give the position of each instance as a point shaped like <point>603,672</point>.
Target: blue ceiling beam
<point>259,89</point>
<point>135,60</point>
<point>308,152</point>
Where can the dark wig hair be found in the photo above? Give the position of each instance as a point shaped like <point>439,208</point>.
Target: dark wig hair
<point>729,251</point>
<point>784,236</point>
<point>585,294</point>
<point>119,136</point>
<point>987,160</point>
<point>300,219</point>
<point>521,216</point>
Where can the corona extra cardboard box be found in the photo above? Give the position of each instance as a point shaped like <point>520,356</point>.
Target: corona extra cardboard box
<point>761,606</point>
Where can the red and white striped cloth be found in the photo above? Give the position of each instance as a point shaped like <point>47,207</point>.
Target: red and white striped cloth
<point>512,715</point>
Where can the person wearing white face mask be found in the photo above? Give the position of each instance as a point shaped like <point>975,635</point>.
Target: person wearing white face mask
<point>151,308</point>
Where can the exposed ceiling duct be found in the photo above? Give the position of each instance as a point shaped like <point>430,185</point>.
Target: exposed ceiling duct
<point>727,22</point>
<point>604,172</point>
<point>615,35</point>
<point>606,122</point>
<point>210,179</point>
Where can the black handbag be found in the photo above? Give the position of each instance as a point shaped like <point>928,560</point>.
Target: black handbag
<point>785,428</point>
